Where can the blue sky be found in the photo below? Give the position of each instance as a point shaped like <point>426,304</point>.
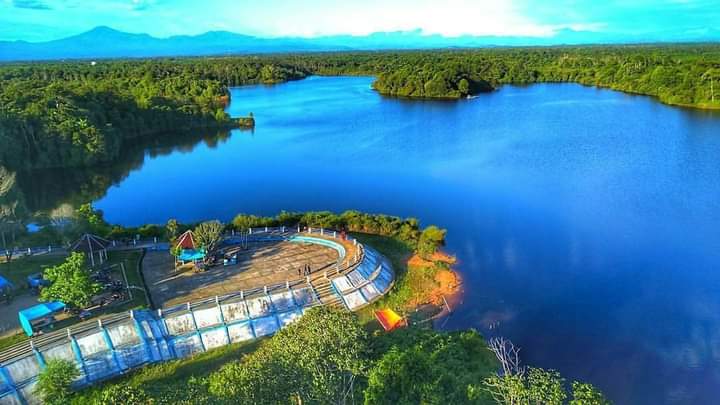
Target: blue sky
<point>40,20</point>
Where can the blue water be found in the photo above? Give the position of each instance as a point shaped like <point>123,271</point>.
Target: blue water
<point>586,221</point>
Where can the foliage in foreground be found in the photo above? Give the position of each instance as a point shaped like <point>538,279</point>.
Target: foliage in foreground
<point>517,385</point>
<point>71,283</point>
<point>539,386</point>
<point>421,366</point>
<point>314,360</point>
<point>53,386</point>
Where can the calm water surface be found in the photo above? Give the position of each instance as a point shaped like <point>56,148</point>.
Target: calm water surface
<point>586,221</point>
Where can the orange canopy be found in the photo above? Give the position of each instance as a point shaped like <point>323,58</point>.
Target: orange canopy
<point>389,319</point>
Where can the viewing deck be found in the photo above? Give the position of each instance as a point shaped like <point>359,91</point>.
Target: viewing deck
<point>353,276</point>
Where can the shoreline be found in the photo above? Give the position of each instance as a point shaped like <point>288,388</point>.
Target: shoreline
<point>440,301</point>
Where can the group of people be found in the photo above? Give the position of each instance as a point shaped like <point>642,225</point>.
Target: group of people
<point>304,271</point>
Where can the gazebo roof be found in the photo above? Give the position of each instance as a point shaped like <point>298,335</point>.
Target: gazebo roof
<point>186,240</point>
<point>89,243</point>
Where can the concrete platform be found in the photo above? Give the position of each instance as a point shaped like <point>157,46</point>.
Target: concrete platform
<point>261,264</point>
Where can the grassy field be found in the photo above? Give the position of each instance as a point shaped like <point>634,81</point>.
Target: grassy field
<point>17,270</point>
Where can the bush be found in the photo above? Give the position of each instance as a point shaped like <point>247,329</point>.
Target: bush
<point>123,395</point>
<point>312,360</point>
<point>53,386</point>
<point>428,367</point>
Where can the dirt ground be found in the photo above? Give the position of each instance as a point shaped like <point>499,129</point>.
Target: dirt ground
<point>259,265</point>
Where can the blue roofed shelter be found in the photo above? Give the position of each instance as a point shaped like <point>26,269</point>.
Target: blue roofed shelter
<point>38,312</point>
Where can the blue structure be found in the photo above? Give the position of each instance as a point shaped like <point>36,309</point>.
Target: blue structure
<point>4,283</point>
<point>36,281</point>
<point>191,255</point>
<point>38,312</point>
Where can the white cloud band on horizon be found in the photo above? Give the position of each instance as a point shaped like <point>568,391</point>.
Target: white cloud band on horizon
<point>39,20</point>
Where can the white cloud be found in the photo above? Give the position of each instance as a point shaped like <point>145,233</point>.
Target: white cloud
<point>449,18</point>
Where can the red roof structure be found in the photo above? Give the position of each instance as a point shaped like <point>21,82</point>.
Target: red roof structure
<point>186,241</point>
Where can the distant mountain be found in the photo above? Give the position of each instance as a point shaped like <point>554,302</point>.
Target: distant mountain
<point>105,42</point>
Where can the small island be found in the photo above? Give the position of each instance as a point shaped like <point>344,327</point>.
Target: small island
<point>245,122</point>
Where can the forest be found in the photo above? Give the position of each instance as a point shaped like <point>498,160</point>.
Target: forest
<point>82,113</point>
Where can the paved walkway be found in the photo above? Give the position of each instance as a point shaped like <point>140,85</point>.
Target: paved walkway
<point>262,264</point>
<point>9,322</point>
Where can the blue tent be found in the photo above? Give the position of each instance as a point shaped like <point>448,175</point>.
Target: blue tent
<point>37,312</point>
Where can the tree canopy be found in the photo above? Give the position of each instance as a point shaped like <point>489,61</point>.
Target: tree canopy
<point>70,283</point>
<point>427,367</point>
<point>313,361</point>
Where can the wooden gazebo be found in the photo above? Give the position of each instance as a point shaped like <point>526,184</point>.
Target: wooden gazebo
<point>92,245</point>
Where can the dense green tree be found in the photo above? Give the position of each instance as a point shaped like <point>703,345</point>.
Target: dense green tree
<point>208,234</point>
<point>587,394</point>
<point>72,114</point>
<point>428,367</point>
<point>123,394</point>
<point>70,283</point>
<point>171,229</point>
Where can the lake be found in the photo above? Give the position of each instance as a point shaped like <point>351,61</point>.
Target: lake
<point>586,221</point>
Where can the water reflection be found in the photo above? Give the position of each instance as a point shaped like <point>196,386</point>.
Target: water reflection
<point>42,191</point>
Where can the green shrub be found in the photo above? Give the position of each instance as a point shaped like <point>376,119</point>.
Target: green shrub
<point>54,382</point>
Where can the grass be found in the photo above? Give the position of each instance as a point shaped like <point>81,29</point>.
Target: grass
<point>17,270</point>
<point>11,340</point>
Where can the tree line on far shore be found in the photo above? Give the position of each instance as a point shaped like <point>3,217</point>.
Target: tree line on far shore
<point>76,114</point>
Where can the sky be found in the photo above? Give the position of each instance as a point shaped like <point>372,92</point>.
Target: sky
<point>43,20</point>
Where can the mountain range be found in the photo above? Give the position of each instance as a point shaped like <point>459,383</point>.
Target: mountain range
<point>105,42</point>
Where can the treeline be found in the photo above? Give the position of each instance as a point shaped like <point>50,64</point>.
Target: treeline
<point>65,226</point>
<point>675,74</point>
<point>80,114</point>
